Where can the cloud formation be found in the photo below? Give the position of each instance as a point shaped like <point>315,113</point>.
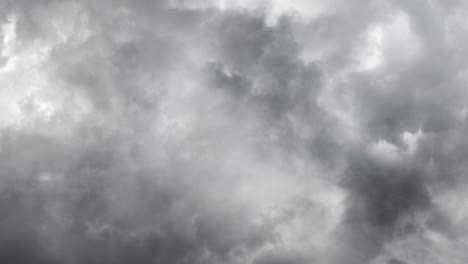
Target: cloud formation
<point>263,132</point>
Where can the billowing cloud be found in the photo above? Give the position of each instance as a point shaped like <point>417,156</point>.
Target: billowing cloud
<point>263,132</point>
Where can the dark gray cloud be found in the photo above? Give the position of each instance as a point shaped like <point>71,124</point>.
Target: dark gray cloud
<point>266,132</point>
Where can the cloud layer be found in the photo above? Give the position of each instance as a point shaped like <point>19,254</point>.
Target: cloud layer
<point>263,132</point>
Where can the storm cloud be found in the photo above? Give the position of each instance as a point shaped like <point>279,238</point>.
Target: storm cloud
<point>262,132</point>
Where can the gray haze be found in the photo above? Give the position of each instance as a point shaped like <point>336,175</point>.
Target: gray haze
<point>233,132</point>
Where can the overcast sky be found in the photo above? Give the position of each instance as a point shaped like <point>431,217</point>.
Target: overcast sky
<point>233,132</point>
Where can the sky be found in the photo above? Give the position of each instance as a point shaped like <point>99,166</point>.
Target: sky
<point>233,132</point>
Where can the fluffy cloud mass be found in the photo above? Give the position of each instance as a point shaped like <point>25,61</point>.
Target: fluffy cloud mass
<point>233,132</point>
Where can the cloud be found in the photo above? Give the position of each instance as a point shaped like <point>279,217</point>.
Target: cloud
<point>218,132</point>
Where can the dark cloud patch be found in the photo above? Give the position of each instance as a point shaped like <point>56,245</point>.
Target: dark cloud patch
<point>387,193</point>
<point>382,198</point>
<point>242,39</point>
<point>278,77</point>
